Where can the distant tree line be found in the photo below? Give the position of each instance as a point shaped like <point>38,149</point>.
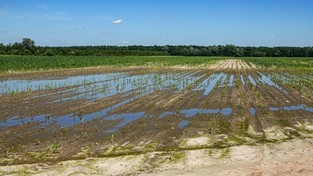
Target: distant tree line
<point>27,47</point>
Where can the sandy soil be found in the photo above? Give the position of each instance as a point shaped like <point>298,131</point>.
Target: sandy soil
<point>294,157</point>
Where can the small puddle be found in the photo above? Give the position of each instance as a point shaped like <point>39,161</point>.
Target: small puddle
<point>227,111</point>
<point>183,123</point>
<point>193,112</point>
<point>242,80</point>
<point>252,81</point>
<point>166,114</point>
<point>223,80</point>
<point>126,119</point>
<point>252,112</point>
<point>13,121</point>
<point>292,108</point>
<point>188,113</point>
<point>231,81</point>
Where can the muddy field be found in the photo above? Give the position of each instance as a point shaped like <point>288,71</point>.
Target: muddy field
<point>65,115</point>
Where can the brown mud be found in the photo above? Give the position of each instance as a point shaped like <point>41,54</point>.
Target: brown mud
<point>233,113</point>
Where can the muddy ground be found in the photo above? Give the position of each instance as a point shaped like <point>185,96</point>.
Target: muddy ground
<point>229,104</point>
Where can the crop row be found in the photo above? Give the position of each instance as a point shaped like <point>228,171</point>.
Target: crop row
<point>23,63</point>
<point>281,62</point>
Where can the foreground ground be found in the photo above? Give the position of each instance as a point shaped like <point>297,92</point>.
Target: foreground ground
<point>157,121</point>
<point>293,157</point>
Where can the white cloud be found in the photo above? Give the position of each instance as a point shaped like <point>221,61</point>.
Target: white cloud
<point>43,7</point>
<point>125,42</point>
<point>272,35</point>
<point>117,21</point>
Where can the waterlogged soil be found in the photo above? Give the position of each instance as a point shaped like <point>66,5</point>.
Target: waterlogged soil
<point>62,115</point>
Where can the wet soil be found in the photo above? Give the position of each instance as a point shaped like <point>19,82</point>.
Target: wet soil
<point>155,110</point>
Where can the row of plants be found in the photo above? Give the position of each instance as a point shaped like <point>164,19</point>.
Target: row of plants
<point>24,63</point>
<point>287,63</point>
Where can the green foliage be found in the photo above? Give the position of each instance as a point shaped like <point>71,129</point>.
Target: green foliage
<point>281,62</point>
<point>243,126</point>
<point>23,63</point>
<point>53,147</point>
<point>27,47</point>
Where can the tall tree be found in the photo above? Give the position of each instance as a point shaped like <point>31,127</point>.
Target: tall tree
<point>29,46</point>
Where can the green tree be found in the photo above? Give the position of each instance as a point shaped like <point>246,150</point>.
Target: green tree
<point>29,46</point>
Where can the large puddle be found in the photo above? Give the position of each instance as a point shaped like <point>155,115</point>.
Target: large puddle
<point>222,79</point>
<point>10,86</point>
<point>267,80</point>
<point>102,85</point>
<point>208,84</point>
<point>94,87</point>
<point>71,119</point>
<point>133,86</point>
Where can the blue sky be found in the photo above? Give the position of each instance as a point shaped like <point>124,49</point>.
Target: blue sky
<point>158,22</point>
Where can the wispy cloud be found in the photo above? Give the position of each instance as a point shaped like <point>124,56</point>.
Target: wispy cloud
<point>117,21</point>
<point>272,35</point>
<point>43,7</point>
<point>125,42</point>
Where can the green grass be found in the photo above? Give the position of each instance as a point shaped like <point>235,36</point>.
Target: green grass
<point>26,63</point>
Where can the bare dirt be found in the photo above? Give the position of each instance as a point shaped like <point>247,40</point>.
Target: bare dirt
<point>238,128</point>
<point>292,158</point>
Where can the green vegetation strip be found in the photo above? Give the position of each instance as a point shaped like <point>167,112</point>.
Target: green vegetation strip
<point>26,63</point>
<point>29,63</point>
<point>286,63</point>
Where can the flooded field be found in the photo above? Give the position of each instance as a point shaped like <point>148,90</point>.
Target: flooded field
<point>134,111</point>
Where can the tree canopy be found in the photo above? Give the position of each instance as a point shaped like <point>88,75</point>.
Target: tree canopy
<point>27,47</point>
